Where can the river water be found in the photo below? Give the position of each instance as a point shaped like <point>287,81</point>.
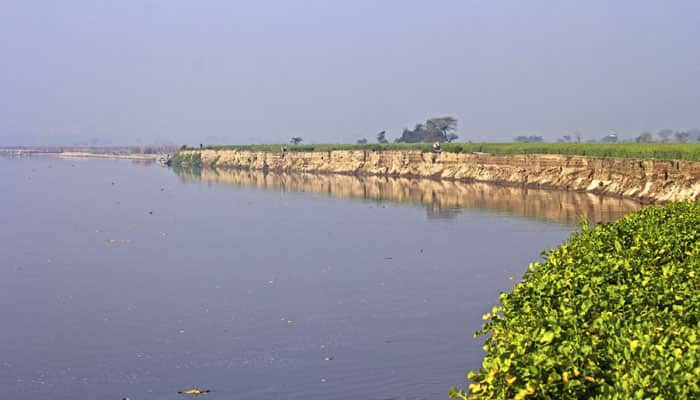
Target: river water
<point>126,279</point>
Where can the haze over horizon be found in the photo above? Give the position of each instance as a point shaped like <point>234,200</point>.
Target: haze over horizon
<point>236,72</point>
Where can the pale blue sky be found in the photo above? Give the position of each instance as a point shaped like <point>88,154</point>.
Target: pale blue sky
<point>262,71</point>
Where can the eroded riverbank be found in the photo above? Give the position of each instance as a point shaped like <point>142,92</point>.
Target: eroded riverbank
<point>646,181</point>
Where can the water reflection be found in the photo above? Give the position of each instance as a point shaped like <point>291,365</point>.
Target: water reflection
<point>442,199</point>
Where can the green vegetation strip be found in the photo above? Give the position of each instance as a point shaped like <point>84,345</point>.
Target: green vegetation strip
<point>192,159</point>
<point>659,151</point>
<point>614,313</point>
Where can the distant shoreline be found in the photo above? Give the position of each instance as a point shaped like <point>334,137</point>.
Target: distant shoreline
<point>86,154</point>
<point>73,154</point>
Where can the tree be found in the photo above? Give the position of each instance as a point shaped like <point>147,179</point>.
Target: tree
<point>296,140</point>
<point>444,125</point>
<point>362,141</point>
<point>610,138</point>
<point>682,136</point>
<point>434,130</point>
<point>381,137</point>
<point>451,137</point>
<point>578,136</point>
<point>644,137</point>
<point>664,134</point>
<point>529,139</point>
<point>694,134</point>
<point>565,138</point>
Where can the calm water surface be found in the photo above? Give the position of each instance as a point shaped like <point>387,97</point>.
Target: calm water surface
<point>120,279</point>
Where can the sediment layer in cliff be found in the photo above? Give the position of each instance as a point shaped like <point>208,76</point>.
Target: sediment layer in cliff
<point>648,181</point>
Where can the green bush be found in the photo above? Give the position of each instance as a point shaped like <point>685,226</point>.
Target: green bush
<point>611,314</point>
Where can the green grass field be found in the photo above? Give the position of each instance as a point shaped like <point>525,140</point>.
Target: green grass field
<point>659,151</point>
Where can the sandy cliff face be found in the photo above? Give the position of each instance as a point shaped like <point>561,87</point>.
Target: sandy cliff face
<point>647,181</point>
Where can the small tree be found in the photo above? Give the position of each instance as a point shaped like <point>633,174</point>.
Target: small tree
<point>694,134</point>
<point>611,138</point>
<point>362,141</point>
<point>529,139</point>
<point>381,137</point>
<point>682,136</point>
<point>644,137</point>
<point>664,134</point>
<point>296,140</point>
<point>451,137</point>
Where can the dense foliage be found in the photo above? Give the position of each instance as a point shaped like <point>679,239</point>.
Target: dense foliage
<point>660,151</point>
<point>614,313</point>
<point>433,130</point>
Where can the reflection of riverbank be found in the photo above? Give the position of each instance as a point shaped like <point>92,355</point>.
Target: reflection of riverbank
<point>441,198</point>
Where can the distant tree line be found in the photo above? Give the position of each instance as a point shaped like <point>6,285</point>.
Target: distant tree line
<point>442,129</point>
<point>663,136</point>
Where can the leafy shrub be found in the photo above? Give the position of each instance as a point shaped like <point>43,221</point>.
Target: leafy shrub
<point>614,313</point>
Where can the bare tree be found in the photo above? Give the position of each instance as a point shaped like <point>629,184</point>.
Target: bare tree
<point>381,137</point>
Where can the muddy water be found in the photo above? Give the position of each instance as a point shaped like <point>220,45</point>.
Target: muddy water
<point>125,279</point>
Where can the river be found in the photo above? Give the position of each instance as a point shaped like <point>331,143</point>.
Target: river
<point>125,279</point>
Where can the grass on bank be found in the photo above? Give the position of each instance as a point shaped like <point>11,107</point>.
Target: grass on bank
<point>659,151</point>
<point>191,159</point>
<point>614,313</point>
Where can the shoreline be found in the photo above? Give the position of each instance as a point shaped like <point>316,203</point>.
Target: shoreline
<point>70,154</point>
<point>81,154</point>
<point>645,181</point>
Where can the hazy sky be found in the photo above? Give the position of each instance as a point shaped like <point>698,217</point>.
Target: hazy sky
<point>330,71</point>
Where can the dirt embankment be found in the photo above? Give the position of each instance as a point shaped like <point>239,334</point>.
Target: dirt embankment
<point>648,181</point>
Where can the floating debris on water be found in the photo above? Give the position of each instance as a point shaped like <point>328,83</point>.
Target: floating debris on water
<point>194,392</point>
<point>118,241</point>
